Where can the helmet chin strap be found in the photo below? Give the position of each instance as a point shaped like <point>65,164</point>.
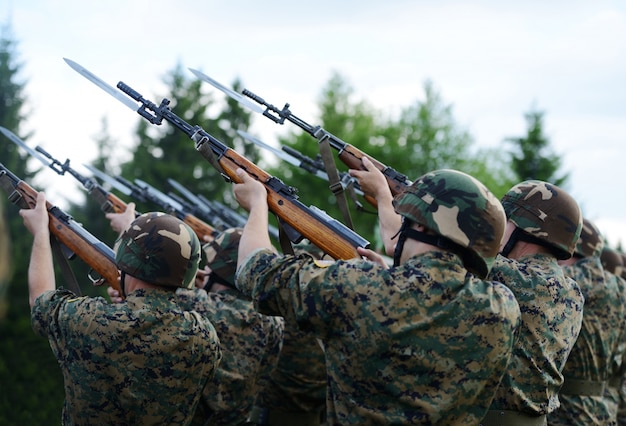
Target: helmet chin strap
<point>519,235</point>
<point>123,283</point>
<point>434,240</point>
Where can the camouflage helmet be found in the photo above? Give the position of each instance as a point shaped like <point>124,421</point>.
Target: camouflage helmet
<point>545,212</point>
<point>460,208</point>
<point>221,254</point>
<point>612,261</point>
<point>160,249</point>
<point>590,242</point>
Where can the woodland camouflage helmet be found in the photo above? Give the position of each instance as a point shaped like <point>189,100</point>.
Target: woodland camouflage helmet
<point>611,261</point>
<point>458,207</point>
<point>590,242</point>
<point>221,255</point>
<point>547,213</point>
<point>160,249</point>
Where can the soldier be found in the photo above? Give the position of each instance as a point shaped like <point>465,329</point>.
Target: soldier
<point>251,342</point>
<point>294,393</point>
<point>4,262</point>
<point>425,341</point>
<point>544,224</point>
<point>612,265</point>
<point>144,361</point>
<point>588,366</point>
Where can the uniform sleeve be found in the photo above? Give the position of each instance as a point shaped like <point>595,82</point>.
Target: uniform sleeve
<point>312,295</point>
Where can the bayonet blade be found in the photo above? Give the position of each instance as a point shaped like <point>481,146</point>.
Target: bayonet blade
<point>166,201</point>
<point>16,140</point>
<point>108,179</point>
<point>280,154</point>
<point>102,84</point>
<point>230,92</point>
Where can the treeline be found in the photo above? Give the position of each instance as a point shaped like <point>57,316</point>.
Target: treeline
<point>424,136</point>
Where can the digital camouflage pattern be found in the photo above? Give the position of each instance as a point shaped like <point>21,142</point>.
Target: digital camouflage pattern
<point>618,360</point>
<point>140,362</point>
<point>297,386</point>
<point>552,309</point>
<point>250,342</point>
<point>590,242</point>
<point>592,355</point>
<point>298,383</point>
<point>459,207</point>
<point>160,249</point>
<point>221,254</point>
<point>424,342</point>
<point>547,212</point>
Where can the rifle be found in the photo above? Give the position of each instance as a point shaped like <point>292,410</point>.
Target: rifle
<point>144,192</point>
<point>311,165</point>
<point>348,154</point>
<point>70,234</point>
<point>109,203</point>
<point>328,234</point>
<point>224,217</point>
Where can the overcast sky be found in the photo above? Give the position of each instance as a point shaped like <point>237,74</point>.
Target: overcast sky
<point>491,60</point>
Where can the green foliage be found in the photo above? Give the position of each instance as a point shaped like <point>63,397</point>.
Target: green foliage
<point>532,157</point>
<point>166,152</point>
<point>425,137</point>
<point>32,386</point>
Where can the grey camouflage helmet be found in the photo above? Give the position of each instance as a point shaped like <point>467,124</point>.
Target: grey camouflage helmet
<point>221,254</point>
<point>457,206</point>
<point>160,249</point>
<point>546,212</point>
<point>590,242</point>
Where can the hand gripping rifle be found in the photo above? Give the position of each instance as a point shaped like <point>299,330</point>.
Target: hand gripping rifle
<point>348,154</point>
<point>328,234</point>
<point>144,192</point>
<point>222,216</point>
<point>314,166</point>
<point>68,233</point>
<point>109,203</point>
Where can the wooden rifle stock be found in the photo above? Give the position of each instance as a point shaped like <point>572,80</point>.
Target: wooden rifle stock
<point>92,251</point>
<point>284,206</point>
<point>328,234</point>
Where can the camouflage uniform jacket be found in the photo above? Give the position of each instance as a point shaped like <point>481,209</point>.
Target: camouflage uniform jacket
<point>424,342</point>
<point>616,391</point>
<point>298,384</point>
<point>250,343</point>
<point>141,362</point>
<point>552,308</point>
<point>591,356</point>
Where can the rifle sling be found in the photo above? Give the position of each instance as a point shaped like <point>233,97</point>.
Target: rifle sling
<point>66,270</point>
<point>335,181</point>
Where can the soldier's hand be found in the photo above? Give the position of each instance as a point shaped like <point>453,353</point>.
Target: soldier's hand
<point>121,221</point>
<point>371,180</point>
<point>36,220</point>
<point>372,256</point>
<point>250,192</point>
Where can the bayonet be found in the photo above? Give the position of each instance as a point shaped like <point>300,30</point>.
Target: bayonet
<point>102,84</point>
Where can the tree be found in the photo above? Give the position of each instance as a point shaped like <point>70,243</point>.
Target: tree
<point>532,157</point>
<point>32,385</point>
<point>166,152</point>
<point>425,137</point>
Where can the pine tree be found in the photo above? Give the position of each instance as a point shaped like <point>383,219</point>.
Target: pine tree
<point>32,385</point>
<point>532,157</point>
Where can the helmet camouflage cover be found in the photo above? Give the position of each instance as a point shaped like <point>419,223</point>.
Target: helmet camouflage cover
<point>590,242</point>
<point>457,206</point>
<point>221,254</point>
<point>546,212</point>
<point>611,260</point>
<point>160,249</point>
